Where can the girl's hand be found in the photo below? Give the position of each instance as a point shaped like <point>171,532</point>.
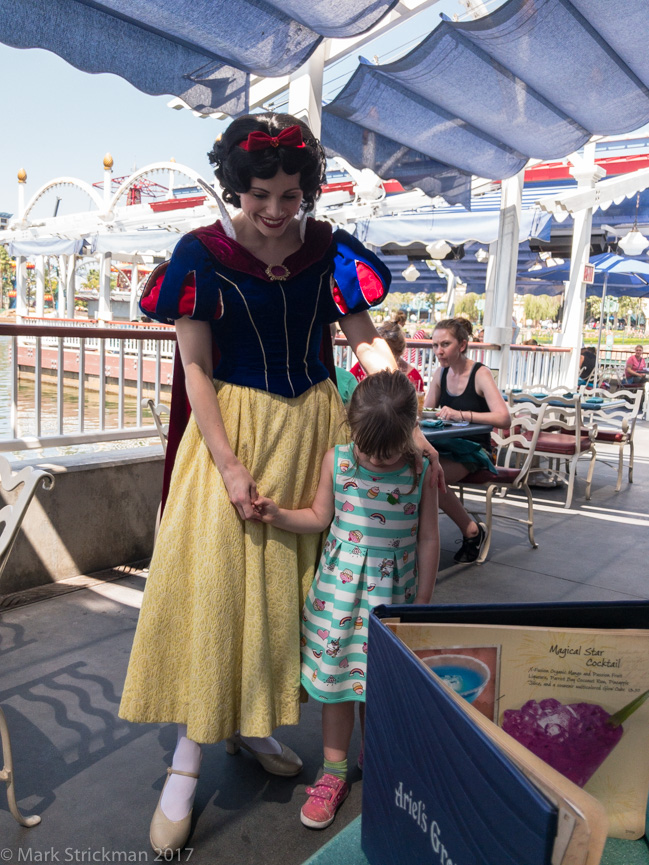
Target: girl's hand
<point>265,510</point>
<point>241,488</point>
<point>425,449</point>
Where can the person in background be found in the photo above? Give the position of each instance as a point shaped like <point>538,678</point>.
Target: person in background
<point>530,342</point>
<point>395,338</point>
<point>587,362</point>
<point>382,548</point>
<point>463,390</point>
<point>635,371</point>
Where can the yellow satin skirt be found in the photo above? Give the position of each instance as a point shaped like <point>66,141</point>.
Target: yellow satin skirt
<point>217,646</point>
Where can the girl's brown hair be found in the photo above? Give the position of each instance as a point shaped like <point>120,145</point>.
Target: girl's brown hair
<point>393,334</point>
<point>382,415</point>
<point>461,328</point>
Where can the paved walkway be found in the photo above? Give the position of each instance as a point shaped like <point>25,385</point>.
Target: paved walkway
<point>95,779</point>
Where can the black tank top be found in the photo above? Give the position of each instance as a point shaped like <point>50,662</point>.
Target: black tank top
<point>467,401</point>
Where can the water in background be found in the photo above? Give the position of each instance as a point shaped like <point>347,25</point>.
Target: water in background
<point>49,415</point>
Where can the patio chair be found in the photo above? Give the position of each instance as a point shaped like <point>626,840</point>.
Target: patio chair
<point>614,427</point>
<point>524,432</point>
<point>536,393</point>
<point>562,439</point>
<point>160,414</point>
<point>11,517</point>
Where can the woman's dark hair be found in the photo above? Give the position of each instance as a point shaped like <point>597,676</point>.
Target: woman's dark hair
<point>394,336</point>
<point>234,167</point>
<point>382,415</point>
<point>461,328</point>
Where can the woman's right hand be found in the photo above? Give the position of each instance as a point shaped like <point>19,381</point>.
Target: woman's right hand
<point>242,489</point>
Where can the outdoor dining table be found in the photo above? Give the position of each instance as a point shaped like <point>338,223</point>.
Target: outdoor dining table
<point>450,430</point>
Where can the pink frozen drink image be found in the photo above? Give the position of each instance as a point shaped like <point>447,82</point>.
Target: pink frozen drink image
<point>574,739</point>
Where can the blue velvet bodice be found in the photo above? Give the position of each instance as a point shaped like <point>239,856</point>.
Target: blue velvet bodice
<point>268,331</point>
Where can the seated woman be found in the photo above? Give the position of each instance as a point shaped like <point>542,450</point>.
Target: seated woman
<point>587,362</point>
<point>393,334</point>
<point>635,371</point>
<point>463,390</point>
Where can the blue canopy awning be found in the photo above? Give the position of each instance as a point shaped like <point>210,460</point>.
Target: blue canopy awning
<point>199,50</point>
<point>535,78</point>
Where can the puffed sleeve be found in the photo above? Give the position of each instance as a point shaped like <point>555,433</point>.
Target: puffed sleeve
<point>361,279</point>
<point>184,285</point>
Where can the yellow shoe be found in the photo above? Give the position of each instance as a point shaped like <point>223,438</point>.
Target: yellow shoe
<point>170,835</point>
<point>286,764</point>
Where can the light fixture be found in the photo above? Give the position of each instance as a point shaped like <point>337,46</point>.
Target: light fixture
<point>536,266</point>
<point>553,262</point>
<point>634,243</point>
<point>482,255</point>
<point>410,274</point>
<point>544,255</point>
<point>439,249</point>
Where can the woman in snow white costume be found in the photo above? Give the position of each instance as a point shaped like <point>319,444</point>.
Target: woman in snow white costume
<point>217,647</point>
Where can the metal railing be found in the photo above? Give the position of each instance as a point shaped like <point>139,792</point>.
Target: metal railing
<point>537,364</point>
<point>133,362</point>
<point>528,364</point>
<point>112,359</point>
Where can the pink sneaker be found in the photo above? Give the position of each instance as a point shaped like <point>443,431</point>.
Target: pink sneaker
<point>325,798</point>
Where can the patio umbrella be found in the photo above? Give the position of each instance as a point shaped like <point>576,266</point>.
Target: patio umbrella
<point>615,275</point>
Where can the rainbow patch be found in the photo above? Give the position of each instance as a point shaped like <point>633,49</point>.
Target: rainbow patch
<point>379,517</point>
<point>357,672</point>
<point>344,621</point>
<point>350,485</point>
<point>317,654</point>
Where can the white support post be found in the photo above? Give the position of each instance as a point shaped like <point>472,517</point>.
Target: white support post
<point>40,285</point>
<point>70,285</point>
<point>104,312</point>
<point>502,275</point>
<point>133,307</point>
<point>21,288</point>
<point>586,173</point>
<point>305,90</point>
<point>451,282</point>
<point>62,287</point>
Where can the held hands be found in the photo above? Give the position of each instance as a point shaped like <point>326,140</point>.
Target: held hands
<point>241,488</point>
<point>264,510</point>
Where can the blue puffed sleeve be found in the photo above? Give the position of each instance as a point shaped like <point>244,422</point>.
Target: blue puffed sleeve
<point>184,285</point>
<point>361,279</point>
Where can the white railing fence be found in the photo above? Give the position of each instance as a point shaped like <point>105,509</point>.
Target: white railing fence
<point>74,385</point>
<point>62,383</point>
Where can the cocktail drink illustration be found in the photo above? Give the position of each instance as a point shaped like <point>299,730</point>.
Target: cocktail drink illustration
<point>467,676</point>
<point>574,739</point>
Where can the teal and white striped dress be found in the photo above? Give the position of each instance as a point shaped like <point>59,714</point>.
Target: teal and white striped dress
<point>369,558</point>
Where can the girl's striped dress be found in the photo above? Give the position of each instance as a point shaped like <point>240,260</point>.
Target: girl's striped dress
<point>369,558</point>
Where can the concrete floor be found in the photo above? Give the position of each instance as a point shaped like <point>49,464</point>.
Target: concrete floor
<point>95,779</point>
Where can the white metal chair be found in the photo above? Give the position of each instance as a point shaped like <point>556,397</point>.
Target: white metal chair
<point>160,414</point>
<point>614,427</point>
<point>524,433</point>
<point>11,517</point>
<point>562,439</point>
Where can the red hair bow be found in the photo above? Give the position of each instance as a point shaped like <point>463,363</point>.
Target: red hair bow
<point>289,137</point>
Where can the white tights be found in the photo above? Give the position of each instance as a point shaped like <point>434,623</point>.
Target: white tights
<point>178,796</point>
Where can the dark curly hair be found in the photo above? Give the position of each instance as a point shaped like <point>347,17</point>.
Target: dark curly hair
<point>234,168</point>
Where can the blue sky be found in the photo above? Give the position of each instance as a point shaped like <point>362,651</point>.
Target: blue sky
<point>58,121</point>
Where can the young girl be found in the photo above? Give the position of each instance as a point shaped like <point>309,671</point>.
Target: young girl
<point>382,548</point>
<point>463,390</point>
